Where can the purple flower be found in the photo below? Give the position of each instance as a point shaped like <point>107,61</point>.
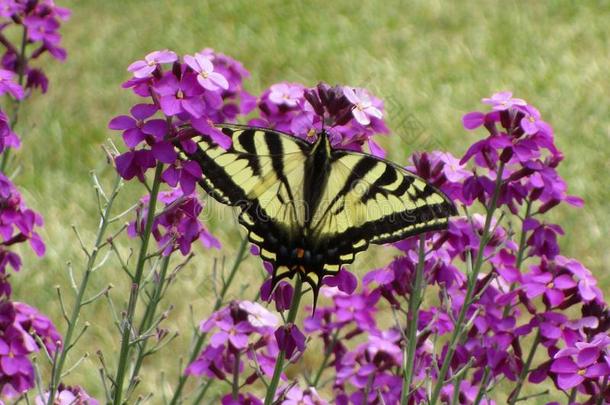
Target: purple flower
<point>8,84</point>
<point>243,329</point>
<point>286,94</point>
<point>363,106</point>
<point>68,396</point>
<point>282,295</point>
<point>183,95</point>
<point>290,339</point>
<point>136,129</point>
<point>144,68</point>
<point>19,323</point>
<point>574,365</point>
<point>294,395</point>
<point>134,163</point>
<point>7,137</point>
<point>503,101</point>
<point>177,226</point>
<point>207,78</point>
<point>185,173</point>
<point>532,124</point>
<point>344,280</point>
<point>242,399</point>
<point>17,222</point>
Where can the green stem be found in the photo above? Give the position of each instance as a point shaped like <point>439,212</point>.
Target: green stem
<point>525,370</point>
<point>67,343</point>
<point>235,386</point>
<point>148,318</point>
<point>201,337</point>
<point>199,398</point>
<point>472,282</point>
<point>572,396</point>
<point>520,250</point>
<point>135,290</point>
<point>482,387</point>
<point>279,364</point>
<point>412,321</point>
<point>327,354</point>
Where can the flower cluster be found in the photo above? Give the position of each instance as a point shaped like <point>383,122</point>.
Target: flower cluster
<point>518,299</point>
<point>21,329</point>
<point>496,285</point>
<point>8,138</point>
<point>18,224</point>
<point>177,226</point>
<point>38,21</point>
<point>241,330</point>
<point>351,116</point>
<point>67,395</point>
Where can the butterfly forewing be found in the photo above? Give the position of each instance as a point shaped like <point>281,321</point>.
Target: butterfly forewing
<point>262,174</point>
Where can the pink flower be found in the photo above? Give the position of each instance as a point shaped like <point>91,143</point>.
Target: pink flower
<point>8,84</point>
<point>286,93</point>
<point>363,106</point>
<point>144,68</point>
<point>207,78</point>
<point>503,101</point>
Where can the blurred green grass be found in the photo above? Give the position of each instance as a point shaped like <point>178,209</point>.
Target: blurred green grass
<point>431,61</point>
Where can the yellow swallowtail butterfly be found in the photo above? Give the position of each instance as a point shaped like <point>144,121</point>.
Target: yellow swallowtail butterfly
<point>310,208</point>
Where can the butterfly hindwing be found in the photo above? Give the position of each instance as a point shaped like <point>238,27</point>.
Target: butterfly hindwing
<point>371,200</point>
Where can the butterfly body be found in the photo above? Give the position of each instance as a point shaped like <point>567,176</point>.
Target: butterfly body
<point>311,208</point>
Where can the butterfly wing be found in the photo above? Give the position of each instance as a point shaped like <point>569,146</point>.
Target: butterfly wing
<point>262,173</point>
<point>371,200</point>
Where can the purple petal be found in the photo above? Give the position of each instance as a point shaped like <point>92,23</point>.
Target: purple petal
<point>124,165</point>
<point>239,341</point>
<point>473,120</point>
<point>376,149</point>
<point>554,296</point>
<point>122,122</point>
<point>143,111</point>
<point>569,381</point>
<point>598,370</point>
<point>564,365</point>
<point>587,356</point>
<point>133,137</point>
<point>164,152</point>
<point>170,105</point>
<point>157,128</point>
<point>171,175</point>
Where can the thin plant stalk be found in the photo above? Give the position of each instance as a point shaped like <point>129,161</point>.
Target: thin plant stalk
<point>135,290</point>
<point>327,354</point>
<point>514,396</point>
<point>279,364</point>
<point>415,300</point>
<point>147,319</point>
<point>200,340</point>
<point>58,365</point>
<point>472,281</point>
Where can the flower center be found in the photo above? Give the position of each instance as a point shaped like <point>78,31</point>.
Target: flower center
<point>179,94</point>
<point>582,372</point>
<point>205,75</point>
<point>550,285</point>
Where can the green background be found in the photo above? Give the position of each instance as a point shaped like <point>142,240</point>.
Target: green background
<point>430,61</point>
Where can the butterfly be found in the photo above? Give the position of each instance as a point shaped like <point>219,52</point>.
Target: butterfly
<point>311,208</point>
